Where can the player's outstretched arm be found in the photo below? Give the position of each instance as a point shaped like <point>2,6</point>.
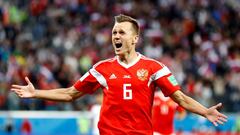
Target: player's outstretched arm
<point>192,105</point>
<point>61,94</point>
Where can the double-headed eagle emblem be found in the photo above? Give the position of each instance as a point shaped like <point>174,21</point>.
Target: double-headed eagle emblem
<point>142,74</point>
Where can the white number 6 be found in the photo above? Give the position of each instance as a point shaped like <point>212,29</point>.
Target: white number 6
<point>127,93</point>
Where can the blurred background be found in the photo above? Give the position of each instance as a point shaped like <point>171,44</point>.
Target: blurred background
<point>54,42</point>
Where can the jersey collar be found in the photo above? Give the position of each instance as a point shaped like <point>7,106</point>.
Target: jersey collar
<point>130,64</point>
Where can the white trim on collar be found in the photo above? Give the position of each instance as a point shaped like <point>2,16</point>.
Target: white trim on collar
<point>130,64</point>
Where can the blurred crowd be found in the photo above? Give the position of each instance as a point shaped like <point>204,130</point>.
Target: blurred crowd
<point>54,42</point>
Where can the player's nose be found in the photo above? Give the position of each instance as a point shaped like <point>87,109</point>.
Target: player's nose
<point>117,36</point>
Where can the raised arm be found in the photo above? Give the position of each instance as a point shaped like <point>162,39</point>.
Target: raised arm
<point>61,94</point>
<point>192,105</point>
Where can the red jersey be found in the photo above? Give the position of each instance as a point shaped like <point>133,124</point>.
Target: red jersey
<point>128,93</point>
<point>163,114</point>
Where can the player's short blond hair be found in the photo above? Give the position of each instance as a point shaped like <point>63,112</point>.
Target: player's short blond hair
<point>124,18</point>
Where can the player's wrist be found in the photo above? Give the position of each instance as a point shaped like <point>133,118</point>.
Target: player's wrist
<point>35,93</point>
<point>204,113</point>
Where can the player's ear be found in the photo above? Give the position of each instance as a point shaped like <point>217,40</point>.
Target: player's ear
<point>135,39</point>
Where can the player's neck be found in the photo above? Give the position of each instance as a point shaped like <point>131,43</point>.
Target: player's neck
<point>128,58</point>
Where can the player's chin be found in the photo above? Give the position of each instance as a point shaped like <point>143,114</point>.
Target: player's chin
<point>118,52</point>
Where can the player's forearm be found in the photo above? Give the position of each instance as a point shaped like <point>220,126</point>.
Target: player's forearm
<point>193,106</point>
<point>190,104</point>
<point>61,94</point>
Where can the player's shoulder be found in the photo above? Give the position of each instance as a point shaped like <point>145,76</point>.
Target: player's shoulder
<point>151,61</point>
<point>105,62</point>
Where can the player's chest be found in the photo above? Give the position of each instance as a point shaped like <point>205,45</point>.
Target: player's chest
<point>127,83</point>
<point>120,75</point>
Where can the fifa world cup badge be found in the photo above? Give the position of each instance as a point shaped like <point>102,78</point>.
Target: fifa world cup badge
<point>142,74</point>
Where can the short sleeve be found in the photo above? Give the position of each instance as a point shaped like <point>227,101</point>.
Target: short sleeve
<point>164,79</point>
<point>168,84</point>
<point>87,84</point>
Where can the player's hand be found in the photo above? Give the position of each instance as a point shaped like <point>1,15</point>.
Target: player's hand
<point>214,116</point>
<point>27,91</point>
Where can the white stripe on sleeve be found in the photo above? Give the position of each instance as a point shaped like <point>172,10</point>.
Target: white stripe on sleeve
<point>160,73</point>
<point>100,78</point>
<point>84,76</point>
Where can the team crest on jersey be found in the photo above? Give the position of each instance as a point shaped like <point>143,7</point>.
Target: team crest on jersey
<point>142,74</point>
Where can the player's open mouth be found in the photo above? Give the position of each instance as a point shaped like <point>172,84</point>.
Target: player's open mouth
<point>118,45</point>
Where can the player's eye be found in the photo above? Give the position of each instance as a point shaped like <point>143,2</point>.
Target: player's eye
<point>122,32</point>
